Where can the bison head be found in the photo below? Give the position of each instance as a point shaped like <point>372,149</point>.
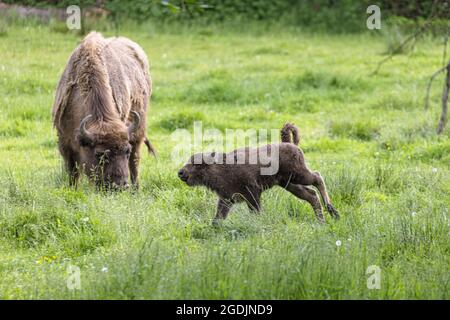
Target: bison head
<point>105,151</point>
<point>199,166</point>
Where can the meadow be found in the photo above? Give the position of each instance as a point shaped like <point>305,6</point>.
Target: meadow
<point>386,170</point>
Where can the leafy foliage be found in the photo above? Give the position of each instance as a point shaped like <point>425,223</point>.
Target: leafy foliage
<point>343,15</point>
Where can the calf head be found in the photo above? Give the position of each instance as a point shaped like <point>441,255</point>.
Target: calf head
<point>196,171</point>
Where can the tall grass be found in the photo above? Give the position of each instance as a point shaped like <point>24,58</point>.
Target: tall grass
<point>386,172</point>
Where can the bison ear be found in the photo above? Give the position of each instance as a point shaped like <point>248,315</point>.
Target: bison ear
<point>213,158</point>
<point>219,158</point>
<point>208,158</point>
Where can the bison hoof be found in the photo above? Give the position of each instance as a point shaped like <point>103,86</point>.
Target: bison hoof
<point>216,223</point>
<point>332,210</point>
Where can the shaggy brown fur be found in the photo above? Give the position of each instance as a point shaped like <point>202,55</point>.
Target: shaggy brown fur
<point>100,110</point>
<point>286,132</point>
<point>244,182</point>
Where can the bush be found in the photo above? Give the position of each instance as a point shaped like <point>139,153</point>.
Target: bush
<point>339,16</point>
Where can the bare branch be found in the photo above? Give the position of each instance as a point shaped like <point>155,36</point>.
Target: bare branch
<point>427,97</point>
<point>444,55</point>
<point>419,31</point>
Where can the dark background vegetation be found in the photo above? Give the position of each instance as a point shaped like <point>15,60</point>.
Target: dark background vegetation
<point>332,15</point>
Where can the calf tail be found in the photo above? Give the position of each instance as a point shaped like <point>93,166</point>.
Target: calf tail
<point>150,148</point>
<point>286,132</point>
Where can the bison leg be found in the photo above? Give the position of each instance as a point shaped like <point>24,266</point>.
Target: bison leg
<point>308,195</point>
<point>315,179</point>
<point>134,164</point>
<point>253,200</point>
<point>73,171</point>
<point>253,205</point>
<point>70,164</point>
<point>223,208</point>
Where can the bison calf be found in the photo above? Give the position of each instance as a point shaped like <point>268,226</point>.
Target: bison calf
<point>235,180</point>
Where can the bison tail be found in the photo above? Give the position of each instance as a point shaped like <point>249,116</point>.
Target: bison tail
<point>286,132</point>
<point>150,147</point>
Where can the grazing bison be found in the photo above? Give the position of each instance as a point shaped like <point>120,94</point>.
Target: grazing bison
<point>236,181</point>
<point>100,110</point>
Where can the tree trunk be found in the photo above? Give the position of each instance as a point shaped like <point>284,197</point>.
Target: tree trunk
<point>443,119</point>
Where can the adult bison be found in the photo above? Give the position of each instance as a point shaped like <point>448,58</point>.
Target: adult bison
<point>100,110</point>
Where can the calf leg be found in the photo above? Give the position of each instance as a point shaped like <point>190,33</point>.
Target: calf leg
<point>253,205</point>
<point>253,200</point>
<point>308,195</point>
<point>315,179</point>
<point>223,208</point>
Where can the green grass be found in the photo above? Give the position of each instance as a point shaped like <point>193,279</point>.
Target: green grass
<point>386,171</point>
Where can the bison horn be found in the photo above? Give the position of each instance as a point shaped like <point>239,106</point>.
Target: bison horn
<point>84,133</point>
<point>135,123</point>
